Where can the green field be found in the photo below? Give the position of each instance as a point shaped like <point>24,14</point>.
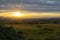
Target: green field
<point>38,31</point>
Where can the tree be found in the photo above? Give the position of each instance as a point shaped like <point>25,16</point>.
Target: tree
<point>8,33</point>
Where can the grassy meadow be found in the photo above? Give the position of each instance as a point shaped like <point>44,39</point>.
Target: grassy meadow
<point>38,31</point>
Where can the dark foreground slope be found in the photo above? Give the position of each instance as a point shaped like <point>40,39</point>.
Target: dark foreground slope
<point>8,33</point>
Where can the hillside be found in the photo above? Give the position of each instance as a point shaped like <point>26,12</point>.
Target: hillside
<point>31,20</point>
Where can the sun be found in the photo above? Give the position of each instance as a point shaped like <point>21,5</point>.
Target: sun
<point>17,14</point>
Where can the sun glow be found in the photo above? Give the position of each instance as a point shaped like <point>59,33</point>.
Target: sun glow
<point>20,14</point>
<point>17,14</point>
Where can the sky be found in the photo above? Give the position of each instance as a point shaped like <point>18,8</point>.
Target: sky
<point>39,8</point>
<point>31,5</point>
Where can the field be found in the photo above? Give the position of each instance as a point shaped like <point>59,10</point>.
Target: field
<point>38,31</point>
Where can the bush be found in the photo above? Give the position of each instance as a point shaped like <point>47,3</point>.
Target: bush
<point>8,33</point>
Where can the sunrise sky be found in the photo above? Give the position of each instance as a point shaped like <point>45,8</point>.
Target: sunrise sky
<point>30,8</point>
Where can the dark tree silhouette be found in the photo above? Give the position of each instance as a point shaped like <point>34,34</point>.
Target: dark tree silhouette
<point>8,33</point>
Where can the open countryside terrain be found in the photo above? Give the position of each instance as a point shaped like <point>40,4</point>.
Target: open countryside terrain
<point>38,31</point>
<point>35,29</point>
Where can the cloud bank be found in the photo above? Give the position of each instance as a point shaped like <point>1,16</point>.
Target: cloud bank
<point>31,5</point>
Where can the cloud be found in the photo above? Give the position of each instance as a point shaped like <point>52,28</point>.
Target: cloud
<point>38,2</point>
<point>31,5</point>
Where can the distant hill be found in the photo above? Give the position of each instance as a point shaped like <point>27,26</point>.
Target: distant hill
<point>30,20</point>
<point>5,19</point>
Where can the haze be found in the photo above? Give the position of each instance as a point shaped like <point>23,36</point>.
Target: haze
<point>22,14</point>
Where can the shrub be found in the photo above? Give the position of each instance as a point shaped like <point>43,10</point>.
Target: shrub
<point>8,33</point>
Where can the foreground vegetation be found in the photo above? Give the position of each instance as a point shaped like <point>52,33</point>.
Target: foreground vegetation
<point>38,31</point>
<point>8,33</point>
<point>29,31</point>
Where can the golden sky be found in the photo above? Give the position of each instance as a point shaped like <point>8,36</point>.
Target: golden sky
<point>18,14</point>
